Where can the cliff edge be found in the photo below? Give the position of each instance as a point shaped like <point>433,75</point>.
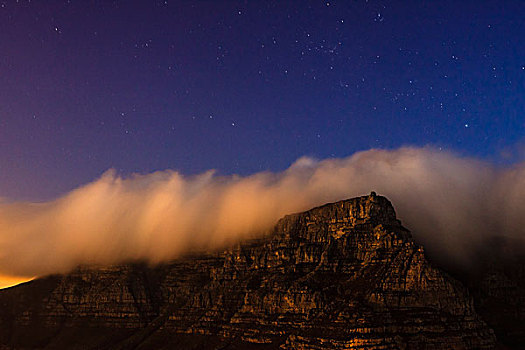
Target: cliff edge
<point>340,276</point>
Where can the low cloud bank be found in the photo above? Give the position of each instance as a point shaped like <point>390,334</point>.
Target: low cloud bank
<point>453,205</point>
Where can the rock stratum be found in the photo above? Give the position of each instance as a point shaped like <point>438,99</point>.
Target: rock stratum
<point>345,275</point>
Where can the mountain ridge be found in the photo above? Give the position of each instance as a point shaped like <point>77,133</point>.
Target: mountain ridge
<point>344,274</point>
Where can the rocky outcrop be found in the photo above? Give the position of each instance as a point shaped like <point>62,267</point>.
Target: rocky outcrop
<point>344,275</point>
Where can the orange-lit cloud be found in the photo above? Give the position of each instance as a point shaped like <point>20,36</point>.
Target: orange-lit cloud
<point>452,204</point>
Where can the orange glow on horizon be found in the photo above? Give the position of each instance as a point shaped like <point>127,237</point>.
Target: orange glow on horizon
<point>9,281</point>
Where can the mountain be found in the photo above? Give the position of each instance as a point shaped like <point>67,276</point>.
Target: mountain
<point>498,288</point>
<point>343,275</point>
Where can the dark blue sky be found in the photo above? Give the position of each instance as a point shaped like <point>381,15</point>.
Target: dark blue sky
<point>248,86</point>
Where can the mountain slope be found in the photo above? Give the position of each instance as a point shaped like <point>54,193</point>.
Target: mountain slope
<point>344,275</point>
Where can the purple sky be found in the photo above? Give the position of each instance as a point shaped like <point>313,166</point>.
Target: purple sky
<point>248,86</point>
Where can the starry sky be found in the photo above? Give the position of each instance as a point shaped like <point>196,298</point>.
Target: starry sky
<point>244,87</point>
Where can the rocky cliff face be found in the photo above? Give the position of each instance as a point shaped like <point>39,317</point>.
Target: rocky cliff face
<point>344,275</point>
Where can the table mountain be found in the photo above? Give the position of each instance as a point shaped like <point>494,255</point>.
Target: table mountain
<point>340,276</point>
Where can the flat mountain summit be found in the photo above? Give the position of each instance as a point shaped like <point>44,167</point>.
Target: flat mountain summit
<point>346,275</point>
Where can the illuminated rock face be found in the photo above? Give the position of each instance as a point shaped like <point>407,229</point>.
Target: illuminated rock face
<point>341,276</point>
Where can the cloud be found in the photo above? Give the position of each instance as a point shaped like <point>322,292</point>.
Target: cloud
<point>452,204</point>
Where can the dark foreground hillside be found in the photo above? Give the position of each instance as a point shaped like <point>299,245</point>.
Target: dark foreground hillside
<point>344,275</point>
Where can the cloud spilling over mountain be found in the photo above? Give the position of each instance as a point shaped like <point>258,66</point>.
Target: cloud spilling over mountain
<point>453,205</point>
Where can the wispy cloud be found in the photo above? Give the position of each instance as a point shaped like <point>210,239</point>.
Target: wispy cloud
<point>452,204</point>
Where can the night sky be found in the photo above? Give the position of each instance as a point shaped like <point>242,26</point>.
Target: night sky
<point>243,87</point>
